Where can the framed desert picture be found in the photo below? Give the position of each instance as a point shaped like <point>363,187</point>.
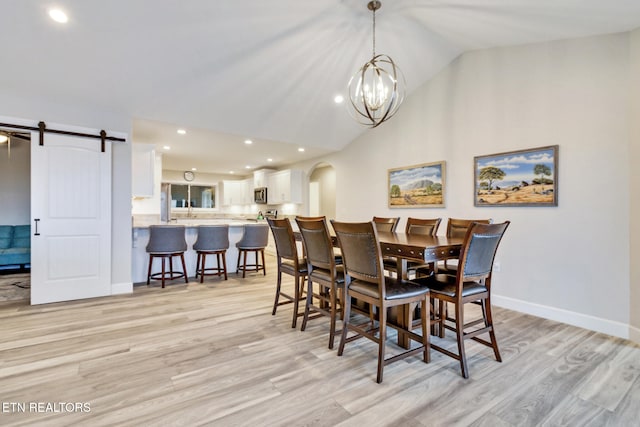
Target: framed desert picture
<point>517,178</point>
<point>418,186</point>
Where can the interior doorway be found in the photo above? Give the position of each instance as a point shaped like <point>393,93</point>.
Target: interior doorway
<point>322,191</point>
<point>15,215</point>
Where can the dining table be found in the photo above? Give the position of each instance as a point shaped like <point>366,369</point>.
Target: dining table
<point>416,247</point>
<point>412,247</point>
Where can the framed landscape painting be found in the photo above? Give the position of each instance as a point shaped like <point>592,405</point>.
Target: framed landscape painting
<point>517,178</point>
<point>418,186</point>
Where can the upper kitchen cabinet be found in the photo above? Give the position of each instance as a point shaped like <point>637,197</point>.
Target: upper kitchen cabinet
<point>261,178</point>
<point>236,192</point>
<point>143,169</point>
<point>285,186</point>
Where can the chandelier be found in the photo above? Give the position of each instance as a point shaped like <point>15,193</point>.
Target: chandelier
<point>377,89</point>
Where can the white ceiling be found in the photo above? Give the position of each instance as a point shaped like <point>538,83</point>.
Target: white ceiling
<point>227,70</point>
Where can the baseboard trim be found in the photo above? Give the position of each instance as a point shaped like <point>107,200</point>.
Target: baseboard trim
<point>634,334</point>
<point>121,288</point>
<point>609,327</point>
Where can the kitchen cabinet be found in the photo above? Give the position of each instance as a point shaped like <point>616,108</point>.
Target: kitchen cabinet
<point>261,178</point>
<point>143,158</point>
<point>236,192</point>
<point>285,186</point>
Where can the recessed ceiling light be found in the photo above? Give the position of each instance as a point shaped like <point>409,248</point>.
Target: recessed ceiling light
<point>194,169</point>
<point>166,147</point>
<point>338,99</point>
<point>301,149</point>
<point>182,131</point>
<point>231,172</point>
<point>248,141</point>
<point>58,16</point>
<point>247,167</point>
<point>269,160</point>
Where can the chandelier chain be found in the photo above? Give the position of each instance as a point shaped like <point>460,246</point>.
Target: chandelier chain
<point>374,33</point>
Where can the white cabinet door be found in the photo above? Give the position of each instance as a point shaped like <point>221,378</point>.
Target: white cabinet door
<point>71,218</point>
<point>285,187</point>
<point>233,193</point>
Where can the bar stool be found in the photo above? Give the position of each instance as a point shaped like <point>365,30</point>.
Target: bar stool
<point>166,242</point>
<point>254,239</point>
<point>212,240</point>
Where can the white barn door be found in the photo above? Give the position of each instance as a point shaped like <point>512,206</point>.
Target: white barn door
<point>70,218</point>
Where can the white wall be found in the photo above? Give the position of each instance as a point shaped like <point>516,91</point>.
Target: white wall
<point>634,184</point>
<point>15,183</point>
<point>566,263</point>
<point>96,117</point>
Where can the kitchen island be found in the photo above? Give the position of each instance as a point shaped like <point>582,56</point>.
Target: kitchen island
<point>140,257</point>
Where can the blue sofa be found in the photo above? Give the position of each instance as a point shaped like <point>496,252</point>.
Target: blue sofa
<point>15,245</point>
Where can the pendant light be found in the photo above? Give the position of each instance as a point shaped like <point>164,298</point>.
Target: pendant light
<point>377,89</point>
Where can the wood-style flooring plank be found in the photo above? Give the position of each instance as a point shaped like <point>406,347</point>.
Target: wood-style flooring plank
<point>212,354</point>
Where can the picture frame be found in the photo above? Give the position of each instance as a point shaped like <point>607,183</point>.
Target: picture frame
<point>417,186</point>
<point>517,178</point>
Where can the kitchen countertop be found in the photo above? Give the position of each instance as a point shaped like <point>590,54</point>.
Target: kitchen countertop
<point>194,222</point>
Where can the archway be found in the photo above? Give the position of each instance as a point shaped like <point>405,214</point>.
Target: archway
<point>322,191</point>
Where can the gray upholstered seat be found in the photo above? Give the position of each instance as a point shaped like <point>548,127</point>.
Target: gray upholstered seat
<point>254,239</point>
<point>166,242</point>
<point>211,240</point>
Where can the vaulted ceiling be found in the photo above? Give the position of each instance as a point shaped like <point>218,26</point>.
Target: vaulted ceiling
<point>230,70</point>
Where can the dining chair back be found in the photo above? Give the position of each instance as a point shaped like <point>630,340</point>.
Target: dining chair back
<point>427,227</point>
<point>325,269</point>
<point>471,284</point>
<point>366,282</point>
<point>289,262</point>
<point>457,228</point>
<point>388,225</point>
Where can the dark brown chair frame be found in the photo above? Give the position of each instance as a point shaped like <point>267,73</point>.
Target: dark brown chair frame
<point>366,282</point>
<point>251,248</point>
<point>324,270</point>
<point>388,225</point>
<point>471,284</point>
<point>289,262</point>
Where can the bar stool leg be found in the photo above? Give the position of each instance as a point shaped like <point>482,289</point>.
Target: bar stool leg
<point>264,266</point>
<point>149,271</point>
<point>184,268</point>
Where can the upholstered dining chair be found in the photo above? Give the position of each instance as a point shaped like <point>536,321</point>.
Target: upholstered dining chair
<point>366,281</point>
<point>289,262</point>
<point>457,228</point>
<point>388,225</point>
<point>211,240</point>
<point>166,242</point>
<point>472,283</point>
<point>326,270</point>
<point>255,238</point>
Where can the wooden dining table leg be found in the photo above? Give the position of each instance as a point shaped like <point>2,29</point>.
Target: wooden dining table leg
<point>404,312</point>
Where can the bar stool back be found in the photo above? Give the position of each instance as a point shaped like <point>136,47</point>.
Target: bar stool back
<point>254,239</point>
<point>212,240</point>
<point>166,242</point>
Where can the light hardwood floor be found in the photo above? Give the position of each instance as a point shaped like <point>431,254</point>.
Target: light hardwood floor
<point>212,354</point>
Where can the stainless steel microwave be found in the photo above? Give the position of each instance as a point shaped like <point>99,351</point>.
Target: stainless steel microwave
<point>260,195</point>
